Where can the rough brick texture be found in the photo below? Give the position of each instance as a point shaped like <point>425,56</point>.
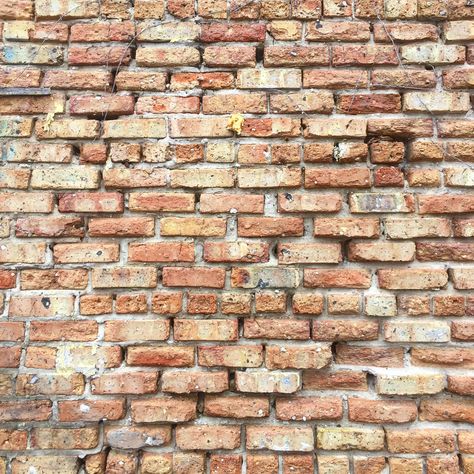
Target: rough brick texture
<point>236,237</point>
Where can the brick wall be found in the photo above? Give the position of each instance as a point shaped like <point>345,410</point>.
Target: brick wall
<point>237,237</point>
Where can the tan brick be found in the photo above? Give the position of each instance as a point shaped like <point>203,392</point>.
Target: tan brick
<point>280,438</point>
<point>410,384</point>
<point>365,439</point>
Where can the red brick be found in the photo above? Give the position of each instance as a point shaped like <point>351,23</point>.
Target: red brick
<point>371,356</point>
<point>38,410</point>
<point>10,357</point>
<point>205,330</point>
<point>197,381</point>
<point>281,56</point>
<point>208,437</point>
<point>94,410</point>
<point>125,383</point>
<point>99,55</point>
<point>239,251</point>
<point>102,32</point>
<point>335,79</point>
<point>194,277</point>
<point>315,278</point>
<point>376,411</point>
<point>232,356</point>
<point>342,330</point>
<point>161,252</point>
<point>164,202</point>
<point>160,356</point>
<point>328,178</point>
<point>336,380</point>
<point>240,32</point>
<point>202,303</point>
<point>269,226</point>
<point>164,409</point>
<point>364,55</point>
<point>91,202</point>
<point>276,329</point>
<point>64,331</point>
<point>369,103</point>
<point>309,408</point>
<point>205,80</point>
<point>167,105</point>
<point>54,279</point>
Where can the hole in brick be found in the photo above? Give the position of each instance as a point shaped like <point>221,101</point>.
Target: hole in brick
<point>46,302</point>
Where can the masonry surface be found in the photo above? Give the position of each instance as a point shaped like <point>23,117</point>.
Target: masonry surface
<point>236,237</point>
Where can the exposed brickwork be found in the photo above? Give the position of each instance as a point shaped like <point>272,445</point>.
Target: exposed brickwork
<point>236,237</point>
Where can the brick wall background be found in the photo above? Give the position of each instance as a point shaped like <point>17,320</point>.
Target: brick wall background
<point>237,236</point>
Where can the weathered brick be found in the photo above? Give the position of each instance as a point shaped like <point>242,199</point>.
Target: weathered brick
<point>239,251</point>
<point>330,128</point>
<point>381,202</point>
<point>264,277</point>
<point>269,227</point>
<point>280,438</point>
<point>337,380</point>
<point>364,55</point>
<point>308,408</point>
<point>160,356</point>
<point>301,202</point>
<point>309,253</point>
<point>285,30</point>
<point>67,129</point>
<point>381,252</point>
<point>342,330</point>
<point>164,409</point>
<point>371,356</point>
<point>72,178</point>
<point>124,277</point>
<point>347,227</point>
<point>167,57</point>
<point>141,330</point>
<point>41,306</point>
<point>276,329</point>
<point>96,410</point>
<point>365,439</point>
<point>436,102</point>
<point>410,384</point>
<point>298,357</point>
<point>208,437</point>
<point>319,278</point>
<point>290,56</point>
<point>127,383</point>
<point>411,279</point>
<point>416,332</point>
<point>268,78</point>
<point>50,385</point>
<point>368,103</point>
<point>420,441</point>
<point>432,54</point>
<point>23,464</point>
<point>462,278</point>
<point>408,79</point>
<point>59,279</point>
<point>335,79</point>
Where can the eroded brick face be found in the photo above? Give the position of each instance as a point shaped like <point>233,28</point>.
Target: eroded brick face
<point>236,237</point>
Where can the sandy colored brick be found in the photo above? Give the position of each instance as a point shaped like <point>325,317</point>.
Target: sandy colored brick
<point>410,384</point>
<point>364,439</point>
<point>280,438</point>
